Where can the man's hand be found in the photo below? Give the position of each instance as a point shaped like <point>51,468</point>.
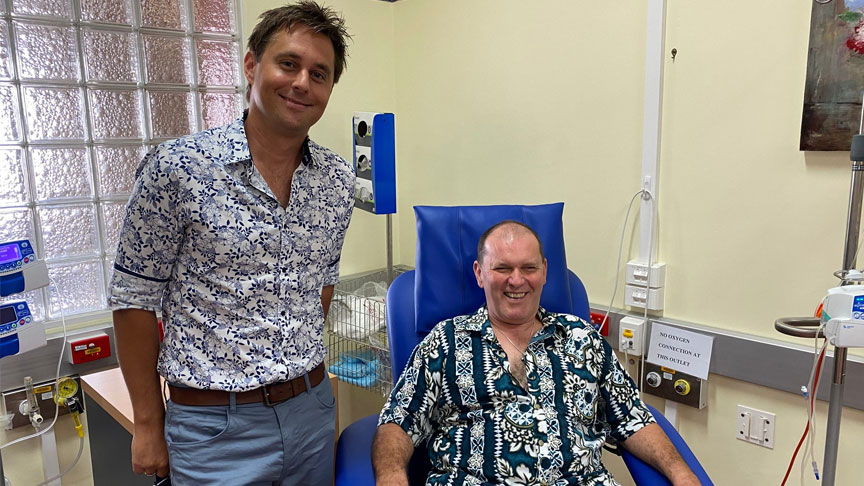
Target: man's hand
<point>136,335</point>
<point>149,451</point>
<point>391,451</point>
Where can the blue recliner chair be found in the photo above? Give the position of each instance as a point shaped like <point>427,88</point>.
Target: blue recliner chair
<point>442,286</point>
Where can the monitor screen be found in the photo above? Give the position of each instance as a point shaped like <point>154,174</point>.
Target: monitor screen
<point>9,253</point>
<point>7,314</point>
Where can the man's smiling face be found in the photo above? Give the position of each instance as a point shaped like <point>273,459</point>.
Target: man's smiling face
<point>512,274</point>
<point>291,83</point>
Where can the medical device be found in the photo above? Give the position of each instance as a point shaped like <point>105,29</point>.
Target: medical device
<point>20,271</point>
<point>374,139</point>
<point>843,316</point>
<point>841,321</point>
<point>18,332</point>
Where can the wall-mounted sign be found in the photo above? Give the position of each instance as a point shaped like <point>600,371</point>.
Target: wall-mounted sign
<point>681,350</point>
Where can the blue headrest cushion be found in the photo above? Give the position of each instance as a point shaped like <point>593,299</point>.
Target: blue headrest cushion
<point>444,282</point>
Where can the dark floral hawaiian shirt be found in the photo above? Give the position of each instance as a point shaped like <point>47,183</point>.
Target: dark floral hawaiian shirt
<point>484,429</point>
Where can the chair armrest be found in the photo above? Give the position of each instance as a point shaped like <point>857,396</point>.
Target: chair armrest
<point>645,475</point>
<point>354,453</point>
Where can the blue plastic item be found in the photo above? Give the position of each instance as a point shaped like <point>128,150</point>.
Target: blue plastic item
<point>9,345</point>
<point>355,370</point>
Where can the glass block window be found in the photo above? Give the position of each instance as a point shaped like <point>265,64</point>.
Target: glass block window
<point>86,88</point>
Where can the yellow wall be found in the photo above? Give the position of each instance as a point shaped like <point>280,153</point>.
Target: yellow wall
<point>506,101</point>
<point>368,84</point>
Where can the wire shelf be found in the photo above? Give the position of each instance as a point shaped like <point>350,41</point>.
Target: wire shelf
<point>357,350</point>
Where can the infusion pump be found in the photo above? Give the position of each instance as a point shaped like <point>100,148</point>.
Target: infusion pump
<point>20,271</point>
<point>843,316</point>
<point>18,331</point>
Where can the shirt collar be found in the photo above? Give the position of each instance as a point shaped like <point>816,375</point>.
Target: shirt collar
<point>237,145</point>
<point>479,322</point>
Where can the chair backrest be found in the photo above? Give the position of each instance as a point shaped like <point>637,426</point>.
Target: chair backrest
<point>443,284</point>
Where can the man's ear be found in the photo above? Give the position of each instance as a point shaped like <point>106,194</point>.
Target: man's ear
<point>478,274</point>
<point>249,64</point>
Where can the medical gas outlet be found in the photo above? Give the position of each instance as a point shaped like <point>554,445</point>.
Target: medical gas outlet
<point>631,335</point>
<point>644,287</point>
<point>675,385</point>
<point>21,404</point>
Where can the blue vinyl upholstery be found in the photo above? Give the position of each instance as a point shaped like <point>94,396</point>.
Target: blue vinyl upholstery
<point>447,237</point>
<point>442,286</point>
<point>643,474</point>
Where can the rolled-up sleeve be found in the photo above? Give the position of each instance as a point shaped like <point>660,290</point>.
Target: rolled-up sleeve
<point>625,412</point>
<point>151,236</point>
<point>414,400</point>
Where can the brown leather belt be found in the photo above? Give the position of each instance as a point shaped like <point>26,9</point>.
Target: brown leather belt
<point>269,394</point>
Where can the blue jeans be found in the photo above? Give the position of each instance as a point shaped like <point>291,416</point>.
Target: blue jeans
<point>253,444</point>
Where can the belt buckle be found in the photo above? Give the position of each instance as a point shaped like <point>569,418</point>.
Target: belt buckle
<point>266,392</point>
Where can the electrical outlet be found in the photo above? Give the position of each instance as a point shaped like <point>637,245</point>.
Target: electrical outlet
<point>755,426</point>
<point>636,296</point>
<point>631,335</point>
<point>637,273</point>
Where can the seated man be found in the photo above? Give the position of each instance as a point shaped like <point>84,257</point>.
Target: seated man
<point>514,394</point>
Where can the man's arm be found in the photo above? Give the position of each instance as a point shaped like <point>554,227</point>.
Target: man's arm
<point>391,451</point>
<point>137,334</point>
<point>326,297</point>
<point>652,446</point>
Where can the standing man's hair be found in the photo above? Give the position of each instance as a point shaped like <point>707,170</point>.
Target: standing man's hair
<point>481,245</point>
<point>319,19</point>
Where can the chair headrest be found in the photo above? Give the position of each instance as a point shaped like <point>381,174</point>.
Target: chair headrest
<point>444,282</point>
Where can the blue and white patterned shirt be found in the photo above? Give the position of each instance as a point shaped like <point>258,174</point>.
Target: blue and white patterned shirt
<point>484,429</point>
<point>236,277</point>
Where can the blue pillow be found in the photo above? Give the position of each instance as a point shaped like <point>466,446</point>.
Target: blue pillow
<point>444,283</point>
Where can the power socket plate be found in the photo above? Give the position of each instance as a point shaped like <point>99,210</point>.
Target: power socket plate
<point>755,426</point>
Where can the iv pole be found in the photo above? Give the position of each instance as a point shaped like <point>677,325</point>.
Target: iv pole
<point>793,326</point>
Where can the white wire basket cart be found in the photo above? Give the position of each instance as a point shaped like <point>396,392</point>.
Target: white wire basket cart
<point>356,334</point>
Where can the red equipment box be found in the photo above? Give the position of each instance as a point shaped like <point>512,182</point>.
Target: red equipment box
<point>90,348</point>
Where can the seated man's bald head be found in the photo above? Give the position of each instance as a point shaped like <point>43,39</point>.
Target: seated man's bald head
<point>512,228</point>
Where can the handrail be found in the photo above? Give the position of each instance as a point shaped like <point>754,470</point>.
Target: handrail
<point>795,326</point>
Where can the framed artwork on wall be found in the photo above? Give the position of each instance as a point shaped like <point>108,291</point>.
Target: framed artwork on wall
<point>835,75</point>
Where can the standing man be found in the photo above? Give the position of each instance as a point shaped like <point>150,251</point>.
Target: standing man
<point>233,237</point>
